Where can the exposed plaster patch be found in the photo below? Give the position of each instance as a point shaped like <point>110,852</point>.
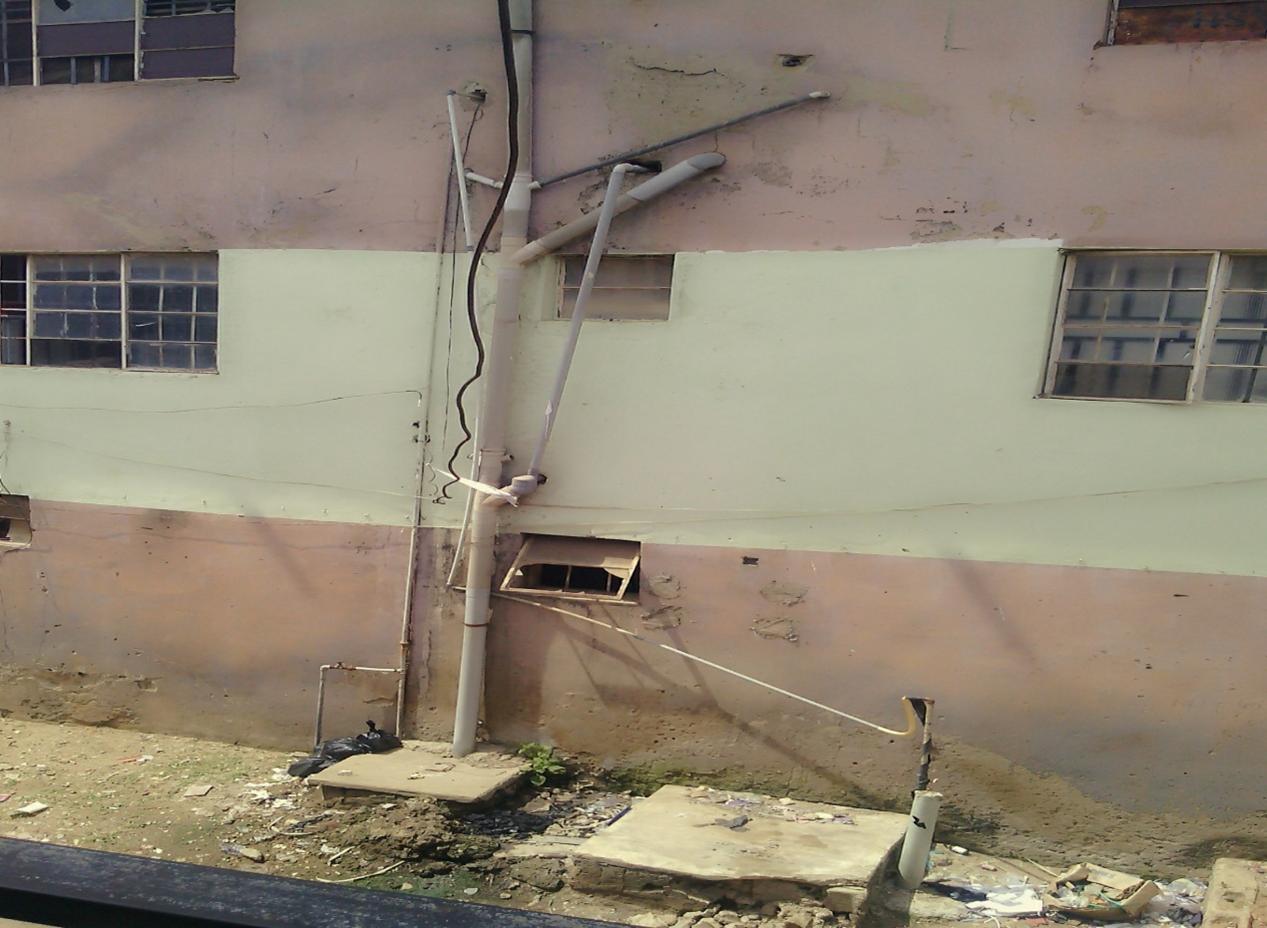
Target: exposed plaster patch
<point>664,586</point>
<point>664,617</point>
<point>934,230</point>
<point>775,628</point>
<point>774,173</point>
<point>784,594</point>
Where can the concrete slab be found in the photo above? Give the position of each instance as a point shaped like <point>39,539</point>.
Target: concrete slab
<point>718,835</point>
<point>1237,897</point>
<point>426,768</point>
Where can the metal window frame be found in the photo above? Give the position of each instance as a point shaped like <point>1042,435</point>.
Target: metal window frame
<point>526,557</point>
<point>1217,277</point>
<point>125,264</point>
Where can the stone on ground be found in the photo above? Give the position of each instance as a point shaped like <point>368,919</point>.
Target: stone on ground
<point>719,836</point>
<point>1237,897</point>
<point>425,768</point>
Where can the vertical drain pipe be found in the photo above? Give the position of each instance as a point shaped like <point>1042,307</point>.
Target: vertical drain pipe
<point>495,399</point>
<point>912,864</point>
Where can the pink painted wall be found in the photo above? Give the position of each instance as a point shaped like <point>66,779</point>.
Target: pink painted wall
<point>950,119</point>
<point>211,626</point>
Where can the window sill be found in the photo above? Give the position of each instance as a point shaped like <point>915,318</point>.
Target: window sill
<point>228,79</point>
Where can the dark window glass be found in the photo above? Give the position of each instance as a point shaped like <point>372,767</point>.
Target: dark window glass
<point>15,43</point>
<point>75,353</point>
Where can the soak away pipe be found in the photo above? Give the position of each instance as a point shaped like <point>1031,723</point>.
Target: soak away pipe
<point>491,447</point>
<point>912,865</point>
<point>597,246</point>
<point>665,180</point>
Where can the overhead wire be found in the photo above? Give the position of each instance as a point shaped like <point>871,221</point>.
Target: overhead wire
<point>512,164</point>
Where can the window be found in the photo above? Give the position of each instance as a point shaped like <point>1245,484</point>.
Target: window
<point>628,287</point>
<point>15,521</point>
<point>16,43</point>
<point>148,312</point>
<point>599,569</point>
<point>104,41</point>
<point>1161,326</point>
<point>1142,22</point>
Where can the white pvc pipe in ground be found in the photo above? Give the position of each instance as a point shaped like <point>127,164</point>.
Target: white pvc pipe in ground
<point>912,865</point>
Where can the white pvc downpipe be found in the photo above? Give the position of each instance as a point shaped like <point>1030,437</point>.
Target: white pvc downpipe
<point>491,449</point>
<point>912,865</point>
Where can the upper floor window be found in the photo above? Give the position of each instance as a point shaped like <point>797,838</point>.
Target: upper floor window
<point>105,41</point>
<point>144,312</point>
<point>1140,22</point>
<point>627,287</point>
<point>1161,326</point>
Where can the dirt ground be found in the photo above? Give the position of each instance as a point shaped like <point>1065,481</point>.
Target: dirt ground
<point>223,805</point>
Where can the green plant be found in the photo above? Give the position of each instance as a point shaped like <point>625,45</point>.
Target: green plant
<point>543,763</point>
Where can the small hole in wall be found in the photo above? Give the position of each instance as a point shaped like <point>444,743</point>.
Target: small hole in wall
<point>794,61</point>
<point>751,561</point>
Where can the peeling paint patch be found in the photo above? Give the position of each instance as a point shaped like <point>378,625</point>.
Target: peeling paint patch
<point>1099,215</point>
<point>936,230</point>
<point>900,97</point>
<point>774,173</point>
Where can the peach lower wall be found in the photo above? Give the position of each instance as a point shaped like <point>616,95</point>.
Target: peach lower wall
<point>197,624</point>
<point>1067,698</point>
<point>1139,690</point>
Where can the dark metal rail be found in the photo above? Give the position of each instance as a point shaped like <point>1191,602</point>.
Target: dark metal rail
<point>66,886</point>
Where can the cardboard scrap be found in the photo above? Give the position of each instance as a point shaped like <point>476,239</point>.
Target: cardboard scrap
<point>196,791</point>
<point>31,808</point>
<point>1098,893</point>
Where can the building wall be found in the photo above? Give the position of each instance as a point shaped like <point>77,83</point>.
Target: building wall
<point>845,391</point>
<point>950,120</point>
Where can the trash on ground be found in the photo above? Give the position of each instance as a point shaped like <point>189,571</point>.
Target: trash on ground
<point>5,797</point>
<point>373,741</point>
<point>193,792</point>
<point>1180,901</point>
<point>1017,901</point>
<point>1098,893</point>
<point>31,808</point>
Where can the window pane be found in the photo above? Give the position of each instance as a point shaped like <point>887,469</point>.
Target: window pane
<point>106,325</point>
<point>205,329</point>
<point>1249,272</point>
<point>1113,381</point>
<point>1238,346</point>
<point>179,357</point>
<point>1135,305</point>
<point>143,326</point>
<point>208,299</point>
<point>1244,308</point>
<point>205,357</point>
<point>85,11</point>
<point>1154,272</point>
<point>12,267</point>
<point>178,299</point>
<point>616,304</point>
<point>13,296</point>
<point>143,297</point>
<point>622,271</point>
<point>55,71</point>
<point>52,325</point>
<point>1236,385</point>
<point>79,325</point>
<point>143,354</point>
<point>177,328</point>
<point>67,353</point>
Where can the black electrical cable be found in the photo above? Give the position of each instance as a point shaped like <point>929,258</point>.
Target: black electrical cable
<point>512,162</point>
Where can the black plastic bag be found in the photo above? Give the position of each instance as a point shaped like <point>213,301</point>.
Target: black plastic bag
<point>373,741</point>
